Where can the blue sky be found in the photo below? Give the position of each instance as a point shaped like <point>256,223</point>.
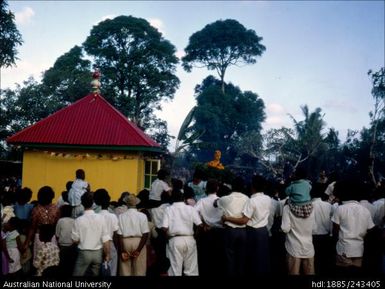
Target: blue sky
<point>317,52</point>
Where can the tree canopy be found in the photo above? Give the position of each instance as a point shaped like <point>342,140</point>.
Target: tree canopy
<point>221,44</point>
<point>137,64</point>
<point>224,118</point>
<point>69,78</point>
<point>10,37</point>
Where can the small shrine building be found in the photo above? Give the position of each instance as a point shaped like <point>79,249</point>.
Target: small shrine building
<point>92,135</point>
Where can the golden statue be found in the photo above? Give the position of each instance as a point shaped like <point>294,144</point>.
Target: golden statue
<point>215,163</point>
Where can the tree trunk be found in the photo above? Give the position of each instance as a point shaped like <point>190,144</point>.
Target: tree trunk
<point>371,153</point>
<point>222,76</point>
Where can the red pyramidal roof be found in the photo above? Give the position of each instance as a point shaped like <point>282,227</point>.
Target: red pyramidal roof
<point>91,121</point>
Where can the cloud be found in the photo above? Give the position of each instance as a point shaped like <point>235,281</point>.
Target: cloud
<point>105,17</point>
<point>21,72</point>
<point>180,54</point>
<point>24,16</point>
<point>157,23</point>
<point>276,115</point>
<point>275,108</point>
<point>275,121</point>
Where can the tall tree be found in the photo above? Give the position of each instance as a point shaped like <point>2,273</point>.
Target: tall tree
<point>69,78</point>
<point>10,37</point>
<point>378,113</point>
<point>221,44</point>
<point>309,135</point>
<point>224,118</point>
<point>137,64</point>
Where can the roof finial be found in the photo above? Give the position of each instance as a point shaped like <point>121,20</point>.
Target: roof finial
<point>95,83</point>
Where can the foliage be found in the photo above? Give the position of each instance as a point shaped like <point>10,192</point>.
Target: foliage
<point>186,138</point>
<point>69,78</point>
<point>30,105</point>
<point>224,118</point>
<point>10,37</point>
<point>138,66</point>
<point>221,44</point>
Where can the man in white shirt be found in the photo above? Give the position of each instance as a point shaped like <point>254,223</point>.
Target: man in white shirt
<point>322,240</point>
<point>255,215</point>
<point>351,222</point>
<point>78,188</point>
<point>178,223</point>
<point>158,187</point>
<point>133,234</point>
<point>298,244</point>
<point>91,234</point>
<point>210,241</point>
<point>234,235</point>
<point>102,199</point>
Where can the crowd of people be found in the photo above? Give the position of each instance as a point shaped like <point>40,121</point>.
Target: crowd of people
<point>330,226</point>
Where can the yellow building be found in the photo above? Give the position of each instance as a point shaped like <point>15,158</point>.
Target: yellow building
<point>91,135</point>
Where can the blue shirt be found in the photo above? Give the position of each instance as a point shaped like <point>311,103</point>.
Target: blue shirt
<point>23,212</point>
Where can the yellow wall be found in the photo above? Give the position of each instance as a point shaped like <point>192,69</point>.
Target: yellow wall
<point>116,176</point>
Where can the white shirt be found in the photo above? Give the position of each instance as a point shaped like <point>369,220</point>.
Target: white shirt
<point>63,231</point>
<point>257,209</point>
<point>180,218</point>
<point>330,188</point>
<point>299,239</point>
<point>157,214</point>
<point>90,230</point>
<point>354,221</point>
<point>157,188</point>
<point>79,187</point>
<point>60,202</point>
<point>371,208</point>
<point>323,212</point>
<point>211,215</point>
<point>232,206</point>
<point>111,222</point>
<point>378,216</point>
<point>133,223</point>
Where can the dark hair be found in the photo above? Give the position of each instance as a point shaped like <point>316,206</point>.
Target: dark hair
<point>198,174</point>
<point>69,185</point>
<point>176,196</point>
<point>143,196</point>
<point>162,174</point>
<point>318,190</point>
<point>24,195</point>
<point>45,195</point>
<point>347,189</point>
<point>223,191</point>
<point>259,183</point>
<point>300,173</point>
<point>188,192</point>
<point>46,232</point>
<point>80,174</point>
<point>122,196</point>
<point>102,198</point>
<point>64,196</point>
<point>176,184</point>
<point>65,211</point>
<point>87,200</point>
<point>212,186</point>
<point>238,184</point>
